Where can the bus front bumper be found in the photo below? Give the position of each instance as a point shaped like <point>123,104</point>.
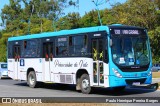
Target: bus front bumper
<point>116,81</point>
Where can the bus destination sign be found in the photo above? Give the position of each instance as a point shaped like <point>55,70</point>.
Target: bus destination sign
<point>127,31</point>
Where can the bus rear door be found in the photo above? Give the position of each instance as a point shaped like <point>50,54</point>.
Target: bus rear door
<point>48,59</point>
<point>16,62</point>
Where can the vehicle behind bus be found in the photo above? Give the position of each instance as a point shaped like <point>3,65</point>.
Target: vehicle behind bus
<point>3,70</point>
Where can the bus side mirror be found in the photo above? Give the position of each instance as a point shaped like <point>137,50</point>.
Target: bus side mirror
<point>110,42</point>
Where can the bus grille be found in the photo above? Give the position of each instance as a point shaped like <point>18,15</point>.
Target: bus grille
<point>130,81</point>
<point>62,78</point>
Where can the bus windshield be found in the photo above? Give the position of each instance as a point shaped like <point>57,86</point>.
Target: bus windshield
<point>130,51</point>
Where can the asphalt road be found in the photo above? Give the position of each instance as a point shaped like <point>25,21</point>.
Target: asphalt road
<point>11,88</point>
<point>17,89</point>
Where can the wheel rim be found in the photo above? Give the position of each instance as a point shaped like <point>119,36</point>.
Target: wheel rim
<point>85,84</point>
<point>31,80</point>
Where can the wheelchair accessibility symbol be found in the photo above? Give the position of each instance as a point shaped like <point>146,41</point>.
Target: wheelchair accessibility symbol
<point>22,62</point>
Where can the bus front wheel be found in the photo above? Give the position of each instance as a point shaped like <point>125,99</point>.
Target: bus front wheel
<point>32,81</point>
<point>85,84</point>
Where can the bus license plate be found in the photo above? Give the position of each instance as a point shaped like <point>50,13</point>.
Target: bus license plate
<point>136,83</point>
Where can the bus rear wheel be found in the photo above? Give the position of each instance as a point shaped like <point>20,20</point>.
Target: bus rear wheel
<point>32,81</point>
<point>85,84</point>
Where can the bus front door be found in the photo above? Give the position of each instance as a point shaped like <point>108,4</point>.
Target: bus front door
<point>16,62</point>
<point>97,55</point>
<point>48,59</point>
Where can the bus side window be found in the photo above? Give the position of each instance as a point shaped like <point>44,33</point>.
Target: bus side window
<point>10,50</point>
<point>78,45</point>
<point>15,53</point>
<point>62,46</point>
<point>84,49</point>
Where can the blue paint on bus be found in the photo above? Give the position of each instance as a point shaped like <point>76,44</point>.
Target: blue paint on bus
<point>61,33</point>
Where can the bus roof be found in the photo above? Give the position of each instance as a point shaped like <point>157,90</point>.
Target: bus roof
<point>60,33</point>
<point>72,31</point>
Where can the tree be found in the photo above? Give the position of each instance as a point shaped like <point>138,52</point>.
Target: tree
<point>136,12</point>
<point>155,42</point>
<point>90,19</point>
<point>0,34</point>
<point>11,15</point>
<point>70,21</point>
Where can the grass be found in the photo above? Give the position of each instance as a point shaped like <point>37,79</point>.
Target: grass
<point>155,74</point>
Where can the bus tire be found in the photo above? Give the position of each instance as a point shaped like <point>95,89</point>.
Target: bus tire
<point>32,81</point>
<point>85,84</point>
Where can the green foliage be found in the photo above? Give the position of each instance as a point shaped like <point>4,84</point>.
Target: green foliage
<point>155,42</point>
<point>3,51</point>
<point>70,21</point>
<point>0,34</point>
<point>141,13</point>
<point>90,19</point>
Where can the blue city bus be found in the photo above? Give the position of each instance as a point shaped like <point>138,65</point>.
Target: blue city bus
<point>113,56</point>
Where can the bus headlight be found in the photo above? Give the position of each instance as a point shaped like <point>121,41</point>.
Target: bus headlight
<point>150,73</point>
<point>117,73</point>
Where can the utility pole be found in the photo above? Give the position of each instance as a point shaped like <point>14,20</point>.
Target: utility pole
<point>97,4</point>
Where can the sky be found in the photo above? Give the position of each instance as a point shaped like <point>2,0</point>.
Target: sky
<point>84,6</point>
<point>88,5</point>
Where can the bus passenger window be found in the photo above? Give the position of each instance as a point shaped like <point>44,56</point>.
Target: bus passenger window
<point>61,46</point>
<point>84,49</point>
<point>78,45</point>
